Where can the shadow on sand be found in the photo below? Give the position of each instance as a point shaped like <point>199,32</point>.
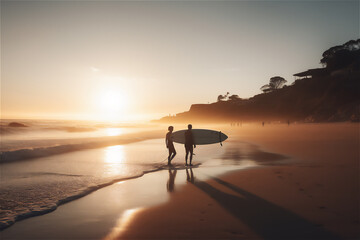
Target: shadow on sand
<point>265,218</point>
<point>239,151</point>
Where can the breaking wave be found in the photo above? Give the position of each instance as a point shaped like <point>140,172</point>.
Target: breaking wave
<point>36,152</point>
<point>47,208</point>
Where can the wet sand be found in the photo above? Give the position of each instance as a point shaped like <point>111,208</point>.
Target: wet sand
<point>315,196</point>
<point>107,212</point>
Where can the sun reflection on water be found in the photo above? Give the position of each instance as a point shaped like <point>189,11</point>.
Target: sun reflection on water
<point>114,131</point>
<point>114,159</point>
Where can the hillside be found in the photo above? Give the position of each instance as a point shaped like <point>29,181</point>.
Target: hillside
<point>328,94</point>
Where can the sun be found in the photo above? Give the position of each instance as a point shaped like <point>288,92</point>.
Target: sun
<point>112,101</point>
<point>111,105</point>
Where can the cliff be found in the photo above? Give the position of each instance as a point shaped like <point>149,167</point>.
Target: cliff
<point>329,94</point>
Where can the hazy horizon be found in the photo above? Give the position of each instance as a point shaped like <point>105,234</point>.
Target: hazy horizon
<point>126,61</point>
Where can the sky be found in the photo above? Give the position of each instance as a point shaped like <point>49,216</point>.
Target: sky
<point>141,60</point>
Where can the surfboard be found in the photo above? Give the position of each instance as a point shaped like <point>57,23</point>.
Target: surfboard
<point>201,136</point>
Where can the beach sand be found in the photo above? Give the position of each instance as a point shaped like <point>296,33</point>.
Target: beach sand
<point>288,182</point>
<point>315,196</point>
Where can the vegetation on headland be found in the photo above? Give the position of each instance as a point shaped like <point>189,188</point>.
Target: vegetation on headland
<point>328,94</point>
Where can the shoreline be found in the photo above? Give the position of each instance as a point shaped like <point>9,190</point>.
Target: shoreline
<point>90,190</point>
<point>111,214</point>
<point>10,216</point>
<point>310,201</point>
<point>8,219</point>
<point>61,202</point>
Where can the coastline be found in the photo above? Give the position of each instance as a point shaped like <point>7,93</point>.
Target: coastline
<point>306,191</point>
<point>105,211</point>
<point>32,167</point>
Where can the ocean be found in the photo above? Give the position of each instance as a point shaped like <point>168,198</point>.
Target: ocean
<point>49,163</point>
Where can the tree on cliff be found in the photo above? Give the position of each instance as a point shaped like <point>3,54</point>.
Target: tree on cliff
<point>341,56</point>
<point>222,97</point>
<point>276,82</point>
<point>234,97</point>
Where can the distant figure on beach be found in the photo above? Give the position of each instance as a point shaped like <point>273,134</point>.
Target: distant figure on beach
<point>189,143</point>
<point>263,123</point>
<point>171,182</point>
<point>170,145</point>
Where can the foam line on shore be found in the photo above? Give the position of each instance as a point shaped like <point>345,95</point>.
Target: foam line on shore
<point>8,223</point>
<point>87,191</point>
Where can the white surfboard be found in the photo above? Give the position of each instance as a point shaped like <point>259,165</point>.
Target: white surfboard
<point>201,136</point>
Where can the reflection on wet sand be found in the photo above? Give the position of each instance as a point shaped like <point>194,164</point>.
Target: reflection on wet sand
<point>190,177</point>
<point>170,185</point>
<point>122,223</point>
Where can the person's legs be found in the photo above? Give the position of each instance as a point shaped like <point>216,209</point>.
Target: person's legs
<point>174,154</point>
<point>186,155</point>
<point>191,150</point>
<point>169,157</point>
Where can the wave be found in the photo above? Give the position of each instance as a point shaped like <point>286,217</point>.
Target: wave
<point>72,129</point>
<point>6,130</point>
<point>29,153</point>
<point>34,174</point>
<point>5,223</point>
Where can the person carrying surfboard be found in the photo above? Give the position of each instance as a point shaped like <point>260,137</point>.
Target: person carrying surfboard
<point>170,145</point>
<point>189,143</point>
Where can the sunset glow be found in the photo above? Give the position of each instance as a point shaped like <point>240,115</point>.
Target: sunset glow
<point>111,103</point>
<point>59,57</point>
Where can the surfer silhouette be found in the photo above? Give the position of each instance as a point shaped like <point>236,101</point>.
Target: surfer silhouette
<point>189,143</point>
<point>170,145</point>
